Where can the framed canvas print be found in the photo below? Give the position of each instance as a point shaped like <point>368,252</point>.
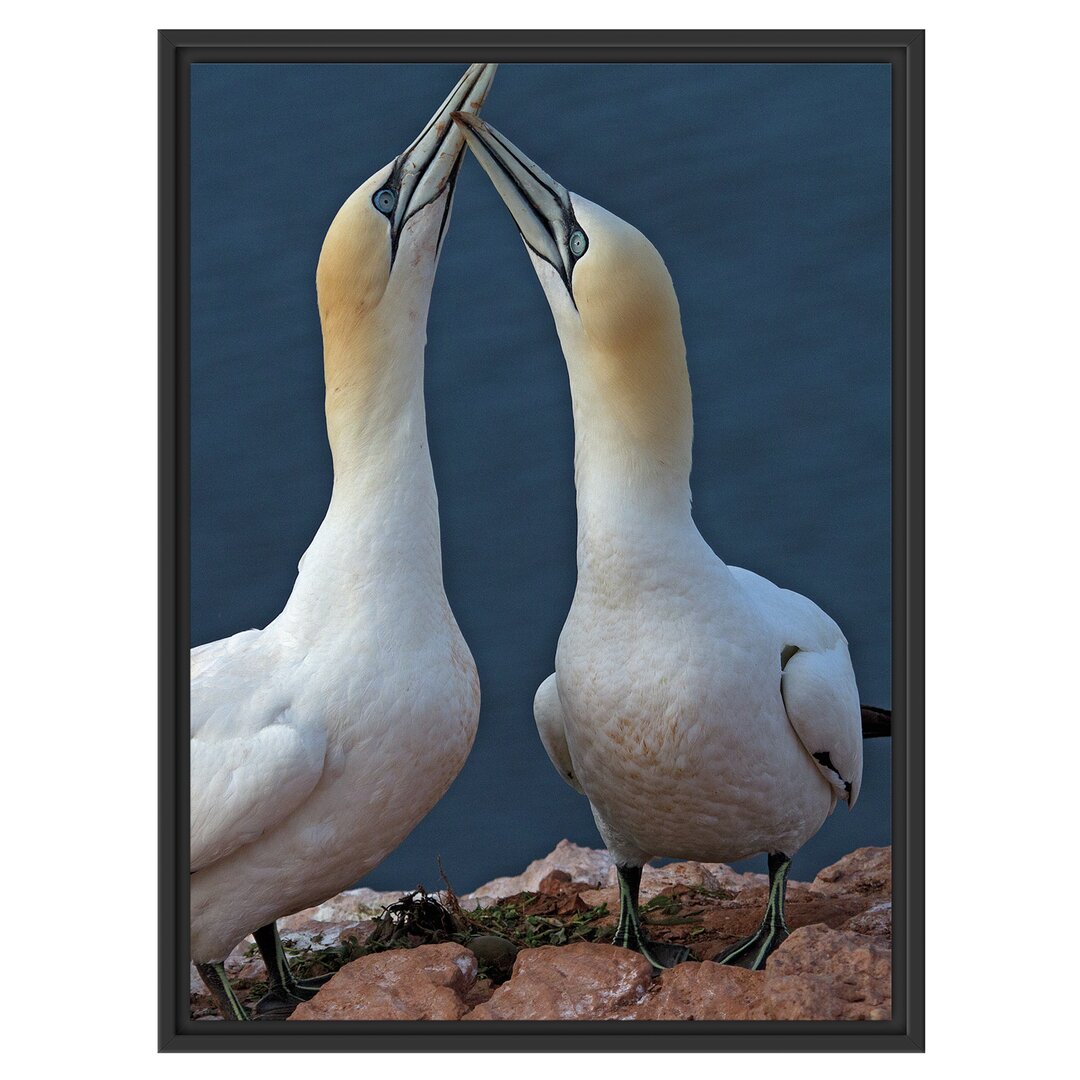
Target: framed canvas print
<point>541,572</point>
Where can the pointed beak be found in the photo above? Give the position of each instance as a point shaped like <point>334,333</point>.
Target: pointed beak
<point>430,165</point>
<point>540,206</point>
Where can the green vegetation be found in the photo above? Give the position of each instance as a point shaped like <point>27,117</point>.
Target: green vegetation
<point>495,934</point>
<point>511,919</point>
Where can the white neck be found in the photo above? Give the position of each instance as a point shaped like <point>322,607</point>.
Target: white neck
<point>384,489</point>
<point>619,486</point>
<point>631,492</point>
<point>381,530</point>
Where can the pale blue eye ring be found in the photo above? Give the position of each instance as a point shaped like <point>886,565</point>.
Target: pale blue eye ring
<point>579,243</point>
<point>385,200</point>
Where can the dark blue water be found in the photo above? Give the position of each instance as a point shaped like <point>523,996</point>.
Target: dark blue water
<point>765,188</point>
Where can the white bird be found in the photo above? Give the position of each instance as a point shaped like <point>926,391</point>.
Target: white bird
<point>706,713</point>
<point>318,743</point>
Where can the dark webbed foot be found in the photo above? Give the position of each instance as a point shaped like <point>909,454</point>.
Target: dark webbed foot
<point>308,988</point>
<point>286,991</point>
<point>277,1004</point>
<point>663,955</point>
<point>752,952</point>
<point>628,934</point>
<point>217,982</point>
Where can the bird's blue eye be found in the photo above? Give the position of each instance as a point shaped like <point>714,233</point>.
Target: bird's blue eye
<point>385,200</point>
<point>579,243</point>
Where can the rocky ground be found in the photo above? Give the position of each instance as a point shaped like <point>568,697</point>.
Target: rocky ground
<point>535,947</point>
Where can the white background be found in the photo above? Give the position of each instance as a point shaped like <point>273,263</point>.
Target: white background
<point>79,543</point>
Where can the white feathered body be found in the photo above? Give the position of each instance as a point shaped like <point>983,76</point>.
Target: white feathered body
<point>676,711</point>
<point>320,742</point>
<point>689,698</point>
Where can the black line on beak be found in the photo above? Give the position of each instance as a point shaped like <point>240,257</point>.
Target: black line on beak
<point>455,100</point>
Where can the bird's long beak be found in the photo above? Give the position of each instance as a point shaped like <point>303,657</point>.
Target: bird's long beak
<point>430,165</point>
<point>541,206</point>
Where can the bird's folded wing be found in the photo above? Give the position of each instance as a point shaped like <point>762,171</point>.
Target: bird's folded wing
<point>244,783</point>
<point>547,710</point>
<point>206,659</point>
<point>822,703</point>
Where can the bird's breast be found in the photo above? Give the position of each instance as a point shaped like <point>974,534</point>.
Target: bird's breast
<point>676,726</point>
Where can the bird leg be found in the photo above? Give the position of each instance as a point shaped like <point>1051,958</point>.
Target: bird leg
<point>752,952</point>
<point>217,982</point>
<point>628,934</point>
<point>285,990</point>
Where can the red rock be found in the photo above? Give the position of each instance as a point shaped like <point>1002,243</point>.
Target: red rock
<point>817,974</point>
<point>430,982</point>
<point>554,882</point>
<point>823,974</point>
<point>874,922</point>
<point>581,863</point>
<point>713,877</point>
<point>608,895</point>
<point>480,992</point>
<point>815,997</point>
<point>582,981</point>
<point>594,867</point>
<point>709,877</point>
<point>866,871</point>
<point>702,992</point>
<point>812,949</point>
<point>851,898</point>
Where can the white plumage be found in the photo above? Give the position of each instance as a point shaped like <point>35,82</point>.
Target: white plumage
<point>670,709</point>
<point>318,743</point>
<point>706,713</point>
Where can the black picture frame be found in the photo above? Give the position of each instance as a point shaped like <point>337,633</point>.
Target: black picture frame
<point>904,51</point>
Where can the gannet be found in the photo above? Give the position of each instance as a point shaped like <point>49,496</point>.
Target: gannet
<point>318,743</point>
<point>706,713</point>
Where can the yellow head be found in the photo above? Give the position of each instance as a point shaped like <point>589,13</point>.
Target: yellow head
<point>379,256</point>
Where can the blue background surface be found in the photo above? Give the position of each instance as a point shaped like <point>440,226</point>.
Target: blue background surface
<point>766,189</point>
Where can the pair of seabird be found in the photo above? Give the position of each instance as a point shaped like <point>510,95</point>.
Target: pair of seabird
<point>706,713</point>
